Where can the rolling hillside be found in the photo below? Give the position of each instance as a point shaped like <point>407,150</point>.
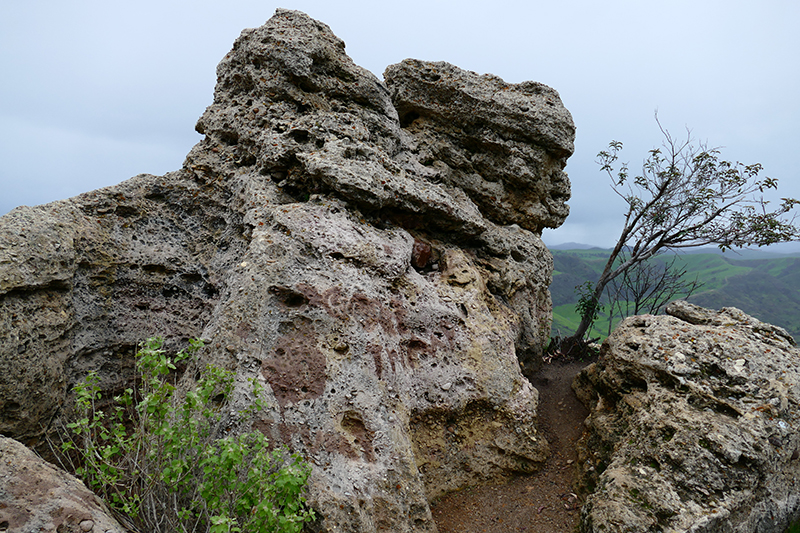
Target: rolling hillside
<point>761,285</point>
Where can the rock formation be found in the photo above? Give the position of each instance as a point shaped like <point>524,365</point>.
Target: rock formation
<point>693,427</point>
<point>36,496</point>
<point>369,251</point>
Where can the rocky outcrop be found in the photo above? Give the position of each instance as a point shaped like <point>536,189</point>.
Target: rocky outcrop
<point>36,496</point>
<point>504,145</point>
<point>369,251</point>
<point>694,425</point>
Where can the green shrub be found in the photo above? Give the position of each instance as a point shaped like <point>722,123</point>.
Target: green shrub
<point>169,461</point>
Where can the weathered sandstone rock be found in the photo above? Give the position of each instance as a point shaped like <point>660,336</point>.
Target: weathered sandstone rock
<point>505,145</point>
<point>693,427</point>
<point>381,274</point>
<point>36,496</point>
<point>82,281</point>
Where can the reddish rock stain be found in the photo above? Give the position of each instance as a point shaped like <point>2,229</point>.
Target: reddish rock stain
<point>420,254</point>
<point>295,368</point>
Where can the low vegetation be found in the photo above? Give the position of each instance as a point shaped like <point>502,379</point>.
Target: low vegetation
<point>172,461</point>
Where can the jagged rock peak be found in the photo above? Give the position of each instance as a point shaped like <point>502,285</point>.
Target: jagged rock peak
<point>504,144</point>
<point>529,112</point>
<point>292,105</point>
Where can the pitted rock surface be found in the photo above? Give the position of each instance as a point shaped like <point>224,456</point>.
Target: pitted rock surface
<point>693,426</point>
<point>381,274</point>
<point>504,144</point>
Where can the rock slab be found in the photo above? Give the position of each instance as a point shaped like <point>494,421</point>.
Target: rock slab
<point>369,251</point>
<point>36,496</point>
<point>693,426</point>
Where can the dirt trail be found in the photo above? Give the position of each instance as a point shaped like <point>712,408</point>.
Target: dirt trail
<point>543,502</point>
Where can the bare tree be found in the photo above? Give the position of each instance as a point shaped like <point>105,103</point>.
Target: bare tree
<point>686,196</point>
<point>647,287</point>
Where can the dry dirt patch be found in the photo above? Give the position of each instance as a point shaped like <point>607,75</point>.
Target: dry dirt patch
<point>544,502</point>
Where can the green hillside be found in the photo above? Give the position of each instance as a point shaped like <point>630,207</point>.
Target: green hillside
<point>768,289</point>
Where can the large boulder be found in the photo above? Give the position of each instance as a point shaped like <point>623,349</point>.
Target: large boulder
<point>693,426</point>
<point>381,274</point>
<point>504,144</point>
<point>37,496</point>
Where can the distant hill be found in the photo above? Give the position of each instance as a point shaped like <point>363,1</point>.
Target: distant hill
<point>785,249</point>
<point>765,285</point>
<point>573,246</point>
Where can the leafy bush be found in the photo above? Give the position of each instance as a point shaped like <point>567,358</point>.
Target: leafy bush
<point>163,462</point>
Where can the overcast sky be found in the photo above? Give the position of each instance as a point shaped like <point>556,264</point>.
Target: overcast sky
<point>95,92</point>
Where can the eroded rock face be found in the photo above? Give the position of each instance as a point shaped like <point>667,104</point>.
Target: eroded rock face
<point>505,145</point>
<point>83,280</point>
<point>694,425</point>
<point>36,496</point>
<point>381,274</point>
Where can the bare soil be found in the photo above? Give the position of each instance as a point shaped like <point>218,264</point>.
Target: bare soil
<point>544,502</point>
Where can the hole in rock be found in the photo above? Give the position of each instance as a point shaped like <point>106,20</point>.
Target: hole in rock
<point>408,118</point>
<point>171,291</point>
<point>191,278</point>
<point>126,211</point>
<point>298,135</point>
<point>288,297</point>
<point>247,160</point>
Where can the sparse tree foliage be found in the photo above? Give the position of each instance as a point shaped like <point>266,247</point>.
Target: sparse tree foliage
<point>588,306</point>
<point>686,196</point>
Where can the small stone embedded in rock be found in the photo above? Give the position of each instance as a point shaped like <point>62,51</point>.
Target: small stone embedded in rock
<point>420,254</point>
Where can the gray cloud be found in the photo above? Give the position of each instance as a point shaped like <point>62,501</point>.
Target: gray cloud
<point>96,92</point>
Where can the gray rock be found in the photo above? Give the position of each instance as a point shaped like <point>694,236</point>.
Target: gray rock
<point>383,277</point>
<point>36,496</point>
<point>504,144</point>
<point>694,425</point>
<point>83,280</point>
